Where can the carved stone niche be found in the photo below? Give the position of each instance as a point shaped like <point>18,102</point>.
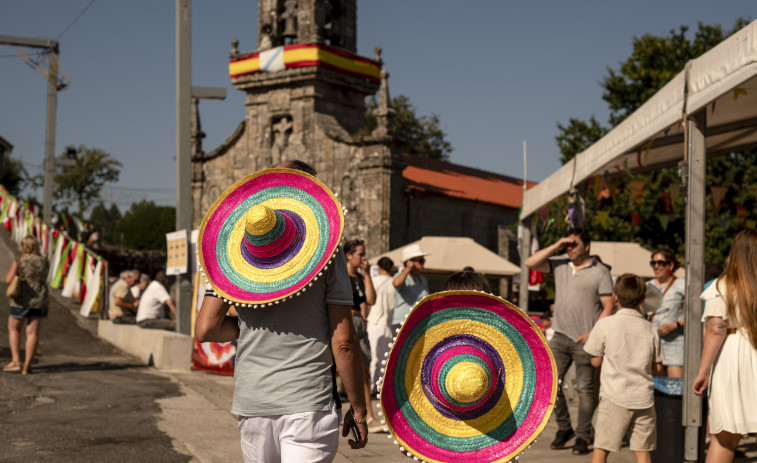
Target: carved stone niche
<point>281,132</point>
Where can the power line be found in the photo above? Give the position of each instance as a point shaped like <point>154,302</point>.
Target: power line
<point>75,19</point>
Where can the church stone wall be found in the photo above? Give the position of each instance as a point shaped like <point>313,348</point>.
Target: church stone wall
<point>434,215</point>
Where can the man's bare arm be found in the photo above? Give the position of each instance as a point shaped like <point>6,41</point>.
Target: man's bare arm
<point>171,305</point>
<point>608,306</point>
<point>346,351</point>
<point>213,324</point>
<point>539,260</point>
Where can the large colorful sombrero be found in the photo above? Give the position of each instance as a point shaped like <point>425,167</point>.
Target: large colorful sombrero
<point>268,236</point>
<point>469,378</point>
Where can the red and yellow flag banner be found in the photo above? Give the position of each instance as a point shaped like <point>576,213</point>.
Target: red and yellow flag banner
<point>306,55</point>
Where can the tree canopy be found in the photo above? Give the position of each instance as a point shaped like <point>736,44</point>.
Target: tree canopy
<point>419,135</point>
<point>82,182</point>
<point>14,176</point>
<point>144,225</point>
<point>649,208</point>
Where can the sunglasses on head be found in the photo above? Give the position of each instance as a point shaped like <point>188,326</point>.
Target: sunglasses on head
<point>422,260</point>
<point>663,263</point>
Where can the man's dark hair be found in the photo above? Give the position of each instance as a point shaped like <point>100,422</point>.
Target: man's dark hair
<point>581,233</point>
<point>630,290</point>
<point>386,264</point>
<point>546,316</point>
<point>473,281</point>
<point>300,165</point>
<point>351,246</point>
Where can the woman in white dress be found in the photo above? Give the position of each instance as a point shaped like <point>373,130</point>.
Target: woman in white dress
<point>729,355</point>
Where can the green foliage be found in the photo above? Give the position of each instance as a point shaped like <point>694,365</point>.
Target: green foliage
<point>14,176</point>
<point>419,135</point>
<point>577,136</point>
<point>653,62</point>
<point>104,221</point>
<point>82,181</point>
<point>144,225</point>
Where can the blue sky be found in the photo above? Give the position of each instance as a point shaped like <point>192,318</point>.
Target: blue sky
<point>497,73</point>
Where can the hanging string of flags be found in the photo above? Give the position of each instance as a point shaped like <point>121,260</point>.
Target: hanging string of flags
<point>74,269</point>
<point>605,190</point>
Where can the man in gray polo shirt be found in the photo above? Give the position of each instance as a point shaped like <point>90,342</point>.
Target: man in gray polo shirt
<point>583,294</point>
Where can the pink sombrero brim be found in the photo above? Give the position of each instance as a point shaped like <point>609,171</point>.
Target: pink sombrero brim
<point>243,282</point>
<point>456,326</point>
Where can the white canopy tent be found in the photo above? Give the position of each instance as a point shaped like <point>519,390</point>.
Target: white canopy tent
<point>709,108</point>
<point>449,254</point>
<point>722,83</point>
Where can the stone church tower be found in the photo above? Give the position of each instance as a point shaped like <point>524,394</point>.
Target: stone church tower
<point>305,91</point>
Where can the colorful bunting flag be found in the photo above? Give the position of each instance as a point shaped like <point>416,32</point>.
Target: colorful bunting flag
<point>718,194</point>
<point>664,221</point>
<point>637,190</point>
<point>675,191</point>
<point>603,216</point>
<point>741,214</point>
<point>636,218</point>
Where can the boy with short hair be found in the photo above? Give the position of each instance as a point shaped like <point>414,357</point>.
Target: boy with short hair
<point>631,349</point>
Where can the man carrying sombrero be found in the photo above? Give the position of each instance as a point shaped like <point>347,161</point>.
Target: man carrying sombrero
<point>270,245</point>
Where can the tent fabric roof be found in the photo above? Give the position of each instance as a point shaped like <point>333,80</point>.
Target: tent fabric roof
<point>723,82</point>
<point>624,257</point>
<point>434,176</point>
<point>452,254</point>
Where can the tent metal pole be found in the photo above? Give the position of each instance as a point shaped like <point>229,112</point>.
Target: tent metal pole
<point>525,251</point>
<point>694,176</point>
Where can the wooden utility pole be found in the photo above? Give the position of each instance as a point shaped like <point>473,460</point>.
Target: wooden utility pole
<point>183,154</point>
<point>52,106</point>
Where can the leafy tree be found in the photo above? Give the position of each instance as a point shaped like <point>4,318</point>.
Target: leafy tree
<point>419,135</point>
<point>14,176</point>
<point>145,225</point>
<point>81,182</point>
<point>653,62</point>
<point>105,220</point>
<point>577,136</point>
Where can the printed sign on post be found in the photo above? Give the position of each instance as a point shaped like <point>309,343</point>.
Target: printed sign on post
<point>177,252</point>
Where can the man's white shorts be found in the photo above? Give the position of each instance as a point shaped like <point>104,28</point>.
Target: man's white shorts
<point>307,437</point>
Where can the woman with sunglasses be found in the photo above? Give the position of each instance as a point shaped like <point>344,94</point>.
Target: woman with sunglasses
<point>729,355</point>
<point>668,320</point>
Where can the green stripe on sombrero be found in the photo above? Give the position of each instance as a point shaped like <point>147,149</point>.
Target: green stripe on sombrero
<point>448,365</point>
<point>509,424</point>
<point>272,235</point>
<point>224,234</point>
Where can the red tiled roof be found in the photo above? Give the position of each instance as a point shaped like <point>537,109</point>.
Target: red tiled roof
<point>430,175</point>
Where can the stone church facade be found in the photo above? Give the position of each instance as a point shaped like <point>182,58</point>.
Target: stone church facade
<point>305,91</point>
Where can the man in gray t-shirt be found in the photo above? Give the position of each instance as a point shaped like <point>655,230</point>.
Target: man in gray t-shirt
<point>583,294</point>
<point>288,351</point>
